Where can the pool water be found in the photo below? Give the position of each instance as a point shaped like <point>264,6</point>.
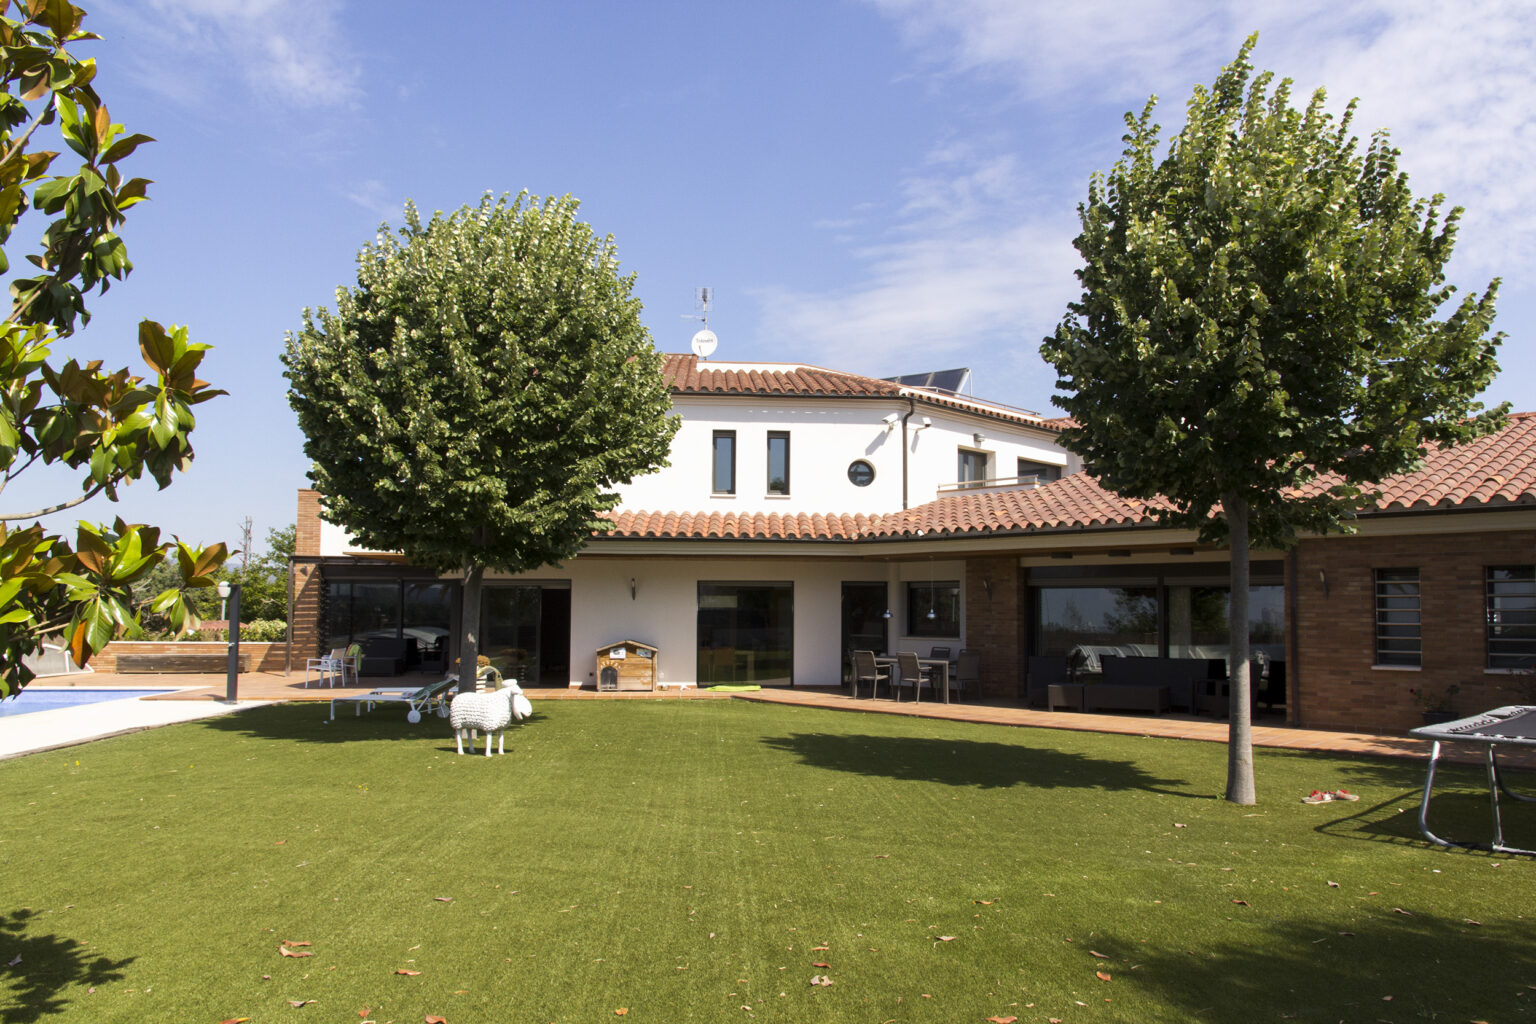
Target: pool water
<point>33,699</point>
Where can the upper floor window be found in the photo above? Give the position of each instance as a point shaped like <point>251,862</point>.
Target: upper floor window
<point>973,466</point>
<point>1399,626</point>
<point>723,474</point>
<point>778,462</point>
<point>1510,603</point>
<point>861,473</point>
<point>1045,472</point>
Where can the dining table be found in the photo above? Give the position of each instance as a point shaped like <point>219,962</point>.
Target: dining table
<point>890,661</point>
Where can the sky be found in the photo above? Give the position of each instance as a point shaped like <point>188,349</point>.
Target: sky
<point>879,186</point>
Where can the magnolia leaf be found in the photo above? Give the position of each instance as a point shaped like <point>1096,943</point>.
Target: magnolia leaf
<point>285,951</point>
<point>408,972</point>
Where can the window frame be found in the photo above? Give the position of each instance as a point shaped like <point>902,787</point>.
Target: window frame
<point>938,628</point>
<point>964,455</point>
<point>777,435</point>
<point>867,465</point>
<point>714,463</point>
<point>1399,628</point>
<point>1523,655</point>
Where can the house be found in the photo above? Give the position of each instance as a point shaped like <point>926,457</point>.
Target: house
<point>807,512</point>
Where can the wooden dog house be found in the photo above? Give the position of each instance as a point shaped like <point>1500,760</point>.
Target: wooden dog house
<point>626,665</point>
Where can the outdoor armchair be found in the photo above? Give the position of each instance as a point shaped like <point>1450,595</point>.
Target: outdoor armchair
<point>913,674</point>
<point>866,671</point>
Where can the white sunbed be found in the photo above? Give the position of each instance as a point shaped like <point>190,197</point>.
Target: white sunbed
<point>432,697</point>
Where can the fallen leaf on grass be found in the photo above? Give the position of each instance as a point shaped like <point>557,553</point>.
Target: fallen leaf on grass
<point>288,952</point>
<point>1241,903</point>
<point>408,972</point>
<point>1179,824</point>
<point>296,1003</point>
<point>985,903</point>
<point>364,1012</point>
<point>1001,1020</point>
<point>946,938</point>
<point>621,1011</point>
<point>295,945</point>
<point>1474,924</point>
<point>1053,1020</point>
<point>821,965</point>
<point>1333,885</point>
<point>1101,956</point>
<point>817,949</point>
<point>1400,910</point>
<point>820,979</point>
<point>235,1020</point>
<point>1102,975</point>
<point>433,1019</point>
<point>882,856</point>
<point>443,899</point>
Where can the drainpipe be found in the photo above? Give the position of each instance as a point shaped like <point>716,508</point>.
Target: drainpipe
<point>911,409</point>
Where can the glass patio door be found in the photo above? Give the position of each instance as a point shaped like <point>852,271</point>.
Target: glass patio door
<point>746,633</point>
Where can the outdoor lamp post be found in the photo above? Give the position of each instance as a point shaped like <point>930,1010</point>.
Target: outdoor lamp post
<point>232,675</point>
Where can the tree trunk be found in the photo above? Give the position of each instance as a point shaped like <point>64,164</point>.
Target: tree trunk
<point>469,625</point>
<point>1240,789</point>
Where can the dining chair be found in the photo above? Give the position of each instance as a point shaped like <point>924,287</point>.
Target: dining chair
<point>865,670</point>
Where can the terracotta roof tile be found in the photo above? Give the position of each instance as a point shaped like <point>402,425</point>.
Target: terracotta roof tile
<point>687,375</point>
<point>1496,470</point>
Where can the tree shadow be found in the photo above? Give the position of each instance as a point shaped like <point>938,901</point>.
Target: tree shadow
<point>962,762</point>
<point>36,968</point>
<point>1389,965</point>
<point>311,723</point>
<point>1459,811</point>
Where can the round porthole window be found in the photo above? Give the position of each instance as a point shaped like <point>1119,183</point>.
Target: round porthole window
<point>861,473</point>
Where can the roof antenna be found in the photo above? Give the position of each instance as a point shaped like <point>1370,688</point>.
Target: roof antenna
<point>705,341</point>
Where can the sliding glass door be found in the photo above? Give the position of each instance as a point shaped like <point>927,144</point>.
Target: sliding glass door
<point>746,633</point>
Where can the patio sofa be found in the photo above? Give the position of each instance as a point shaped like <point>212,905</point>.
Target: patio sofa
<point>1184,678</point>
<point>384,656</point>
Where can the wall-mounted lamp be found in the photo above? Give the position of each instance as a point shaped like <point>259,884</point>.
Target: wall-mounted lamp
<point>980,439</point>
<point>887,614</point>
<point>1323,579</point>
<point>986,585</point>
<point>631,588</point>
<point>891,421</point>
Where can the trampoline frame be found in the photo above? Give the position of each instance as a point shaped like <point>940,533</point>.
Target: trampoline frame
<point>1481,728</point>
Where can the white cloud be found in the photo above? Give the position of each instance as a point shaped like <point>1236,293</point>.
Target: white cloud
<point>373,196</point>
<point>288,50</point>
<point>1451,83</point>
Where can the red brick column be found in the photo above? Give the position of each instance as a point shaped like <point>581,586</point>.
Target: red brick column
<point>994,623</point>
<point>307,584</point>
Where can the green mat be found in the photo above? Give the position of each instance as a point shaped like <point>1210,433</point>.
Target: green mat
<point>723,688</point>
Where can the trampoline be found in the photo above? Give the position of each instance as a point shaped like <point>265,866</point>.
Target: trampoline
<point>1513,726</point>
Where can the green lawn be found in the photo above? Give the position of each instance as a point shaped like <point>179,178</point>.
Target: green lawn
<point>704,860</point>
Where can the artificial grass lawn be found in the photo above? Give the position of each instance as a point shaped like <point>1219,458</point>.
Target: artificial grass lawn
<point>700,860</point>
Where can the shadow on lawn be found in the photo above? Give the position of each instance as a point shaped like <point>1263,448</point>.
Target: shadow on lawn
<point>308,723</point>
<point>36,968</point>
<point>959,762</point>
<point>1389,966</point>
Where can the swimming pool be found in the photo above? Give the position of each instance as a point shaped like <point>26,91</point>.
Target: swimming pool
<point>32,699</point>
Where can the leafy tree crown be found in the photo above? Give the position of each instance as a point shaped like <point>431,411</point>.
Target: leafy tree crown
<point>481,391</point>
<point>1262,303</point>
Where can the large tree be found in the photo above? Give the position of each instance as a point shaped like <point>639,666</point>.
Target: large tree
<point>110,427</point>
<point>1263,303</point>
<point>476,398</point>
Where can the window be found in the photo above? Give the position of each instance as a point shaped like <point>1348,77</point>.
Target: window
<point>1511,610</point>
<point>861,473</point>
<point>933,609</point>
<point>973,466</point>
<point>1398,624</point>
<point>1045,472</point>
<point>746,633</point>
<point>723,480</point>
<point>778,462</point>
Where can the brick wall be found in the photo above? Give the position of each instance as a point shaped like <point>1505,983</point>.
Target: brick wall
<point>265,657</point>
<point>306,539</point>
<point>1335,684</point>
<point>994,622</point>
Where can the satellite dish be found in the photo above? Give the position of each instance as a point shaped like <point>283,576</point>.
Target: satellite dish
<point>704,343</point>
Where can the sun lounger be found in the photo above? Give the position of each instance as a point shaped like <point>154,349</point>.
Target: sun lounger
<point>432,697</point>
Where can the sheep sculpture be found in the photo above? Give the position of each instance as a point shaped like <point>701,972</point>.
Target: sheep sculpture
<point>489,712</point>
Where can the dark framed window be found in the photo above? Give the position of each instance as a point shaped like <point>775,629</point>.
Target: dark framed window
<point>1510,604</point>
<point>1399,623</point>
<point>973,466</point>
<point>746,633</point>
<point>723,464</point>
<point>933,609</point>
<point>860,473</point>
<point>778,462</point>
<point>1045,472</point>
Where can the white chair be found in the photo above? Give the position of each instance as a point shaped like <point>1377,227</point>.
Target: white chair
<point>325,668</point>
<point>346,660</point>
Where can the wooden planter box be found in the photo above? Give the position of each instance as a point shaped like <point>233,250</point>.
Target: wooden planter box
<point>626,665</point>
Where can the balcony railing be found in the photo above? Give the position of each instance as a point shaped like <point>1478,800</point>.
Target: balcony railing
<point>997,483</point>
